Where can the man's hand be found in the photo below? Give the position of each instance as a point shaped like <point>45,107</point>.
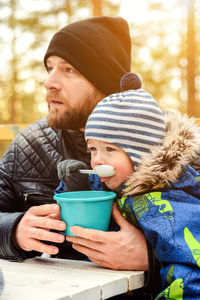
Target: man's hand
<point>68,172</point>
<point>35,225</point>
<point>125,249</point>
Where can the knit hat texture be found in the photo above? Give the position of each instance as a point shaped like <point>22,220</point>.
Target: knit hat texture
<point>99,48</point>
<point>131,120</point>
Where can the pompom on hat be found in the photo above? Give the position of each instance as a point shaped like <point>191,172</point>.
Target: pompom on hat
<point>131,120</point>
<point>130,81</point>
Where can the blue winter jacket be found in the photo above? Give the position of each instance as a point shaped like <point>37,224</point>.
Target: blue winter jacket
<point>162,197</point>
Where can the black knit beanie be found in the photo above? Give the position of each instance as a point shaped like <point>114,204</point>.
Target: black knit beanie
<point>99,48</point>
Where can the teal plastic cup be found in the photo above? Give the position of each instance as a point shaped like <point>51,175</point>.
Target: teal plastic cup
<point>88,209</point>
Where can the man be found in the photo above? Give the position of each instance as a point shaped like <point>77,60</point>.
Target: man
<point>85,62</point>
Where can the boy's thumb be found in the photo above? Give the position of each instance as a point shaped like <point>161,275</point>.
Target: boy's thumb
<point>118,217</point>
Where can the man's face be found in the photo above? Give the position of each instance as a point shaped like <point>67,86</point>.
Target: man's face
<point>70,96</point>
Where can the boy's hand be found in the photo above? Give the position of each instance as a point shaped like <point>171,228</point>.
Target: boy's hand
<point>125,249</point>
<point>69,174</point>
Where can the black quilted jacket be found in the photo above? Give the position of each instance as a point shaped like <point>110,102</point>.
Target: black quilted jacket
<point>28,176</point>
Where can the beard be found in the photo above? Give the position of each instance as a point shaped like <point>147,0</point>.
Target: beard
<point>74,118</point>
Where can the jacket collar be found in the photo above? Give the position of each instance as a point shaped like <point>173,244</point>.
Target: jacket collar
<point>180,146</point>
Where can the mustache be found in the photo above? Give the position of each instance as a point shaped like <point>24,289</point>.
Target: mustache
<point>54,95</point>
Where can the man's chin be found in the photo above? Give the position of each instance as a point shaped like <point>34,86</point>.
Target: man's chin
<point>54,120</point>
<point>65,122</point>
<point>55,123</point>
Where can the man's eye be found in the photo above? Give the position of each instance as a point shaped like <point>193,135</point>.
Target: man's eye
<point>92,149</point>
<point>49,69</point>
<point>69,70</point>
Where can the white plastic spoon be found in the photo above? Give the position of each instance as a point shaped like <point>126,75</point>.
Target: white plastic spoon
<point>101,170</point>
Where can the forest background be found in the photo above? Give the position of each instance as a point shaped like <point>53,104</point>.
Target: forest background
<point>165,52</point>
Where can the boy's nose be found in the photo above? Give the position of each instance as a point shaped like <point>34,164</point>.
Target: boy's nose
<point>99,160</point>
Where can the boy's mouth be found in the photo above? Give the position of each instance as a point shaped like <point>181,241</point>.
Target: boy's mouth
<point>104,179</point>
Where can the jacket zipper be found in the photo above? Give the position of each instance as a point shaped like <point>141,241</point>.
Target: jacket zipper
<point>37,195</point>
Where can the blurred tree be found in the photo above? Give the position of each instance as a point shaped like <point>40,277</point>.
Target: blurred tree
<point>166,54</point>
<point>12,97</point>
<point>166,51</point>
<point>152,58</point>
<point>97,7</point>
<point>191,59</point>
<point>29,25</point>
<point>19,79</point>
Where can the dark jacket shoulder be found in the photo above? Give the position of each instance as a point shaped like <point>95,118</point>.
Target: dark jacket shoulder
<point>33,152</point>
<point>28,176</point>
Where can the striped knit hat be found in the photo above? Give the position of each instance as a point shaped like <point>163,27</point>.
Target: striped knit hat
<point>131,120</point>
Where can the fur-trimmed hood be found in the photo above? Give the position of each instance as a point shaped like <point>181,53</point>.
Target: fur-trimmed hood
<point>180,146</point>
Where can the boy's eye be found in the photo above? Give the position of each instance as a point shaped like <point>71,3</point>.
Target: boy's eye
<point>110,149</point>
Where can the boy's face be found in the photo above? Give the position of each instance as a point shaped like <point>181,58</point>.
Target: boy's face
<point>103,153</point>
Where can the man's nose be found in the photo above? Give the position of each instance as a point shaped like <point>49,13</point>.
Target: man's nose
<point>53,81</point>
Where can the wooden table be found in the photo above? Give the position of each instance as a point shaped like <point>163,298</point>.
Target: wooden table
<point>52,279</point>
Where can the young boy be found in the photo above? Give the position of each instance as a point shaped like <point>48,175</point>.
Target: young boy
<point>157,189</point>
